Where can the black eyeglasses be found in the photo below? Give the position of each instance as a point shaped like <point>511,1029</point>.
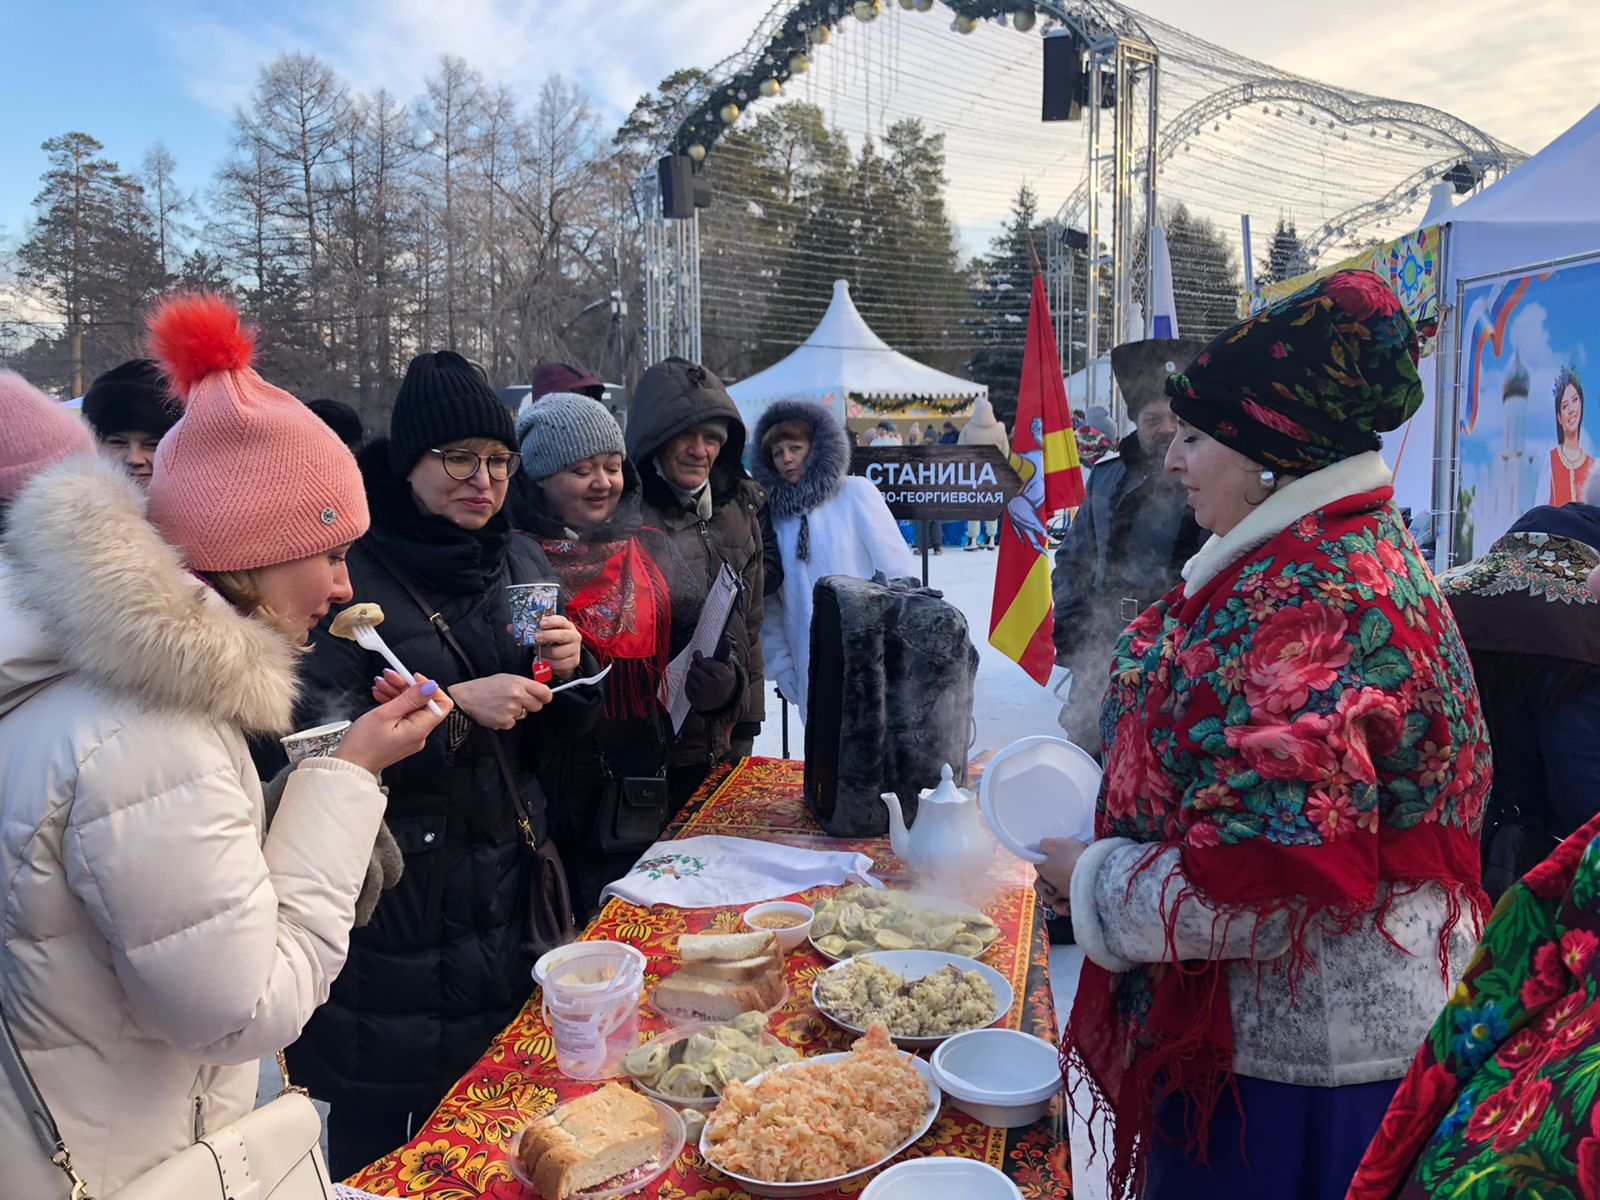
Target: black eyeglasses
<point>462,465</point>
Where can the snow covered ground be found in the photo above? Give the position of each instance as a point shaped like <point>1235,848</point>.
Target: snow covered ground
<point>1009,704</point>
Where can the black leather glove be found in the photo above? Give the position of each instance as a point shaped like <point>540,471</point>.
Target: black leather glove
<point>711,682</point>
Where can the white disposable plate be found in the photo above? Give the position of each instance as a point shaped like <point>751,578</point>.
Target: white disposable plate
<point>810,1187</point>
<point>1036,788</point>
<point>915,964</point>
<point>681,1033</point>
<point>938,1178</point>
<point>928,903</point>
<point>672,1139</point>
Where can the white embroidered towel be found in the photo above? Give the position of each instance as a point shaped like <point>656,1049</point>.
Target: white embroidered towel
<point>712,872</point>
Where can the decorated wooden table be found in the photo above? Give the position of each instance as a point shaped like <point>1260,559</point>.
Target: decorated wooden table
<point>460,1153</point>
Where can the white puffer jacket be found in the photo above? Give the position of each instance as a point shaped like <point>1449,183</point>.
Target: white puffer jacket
<point>153,946</point>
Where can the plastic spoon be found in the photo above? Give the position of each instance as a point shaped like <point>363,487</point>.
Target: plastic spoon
<point>370,639</point>
<point>561,687</point>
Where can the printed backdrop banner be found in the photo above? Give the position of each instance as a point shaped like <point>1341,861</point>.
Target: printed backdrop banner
<point>1525,435</point>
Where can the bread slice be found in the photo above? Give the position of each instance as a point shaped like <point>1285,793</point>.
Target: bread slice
<point>725,947</point>
<point>740,969</point>
<point>717,999</point>
<point>590,1140</point>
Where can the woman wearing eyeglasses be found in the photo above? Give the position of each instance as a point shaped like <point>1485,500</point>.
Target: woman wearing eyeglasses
<point>445,963</point>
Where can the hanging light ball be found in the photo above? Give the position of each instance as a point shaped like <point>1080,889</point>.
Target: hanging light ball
<point>908,5</point>
<point>866,10</point>
<point>966,24</point>
<point>770,87</point>
<point>697,152</point>
<point>818,35</point>
<point>922,5</point>
<point>799,64</point>
<point>729,113</point>
<point>1023,19</point>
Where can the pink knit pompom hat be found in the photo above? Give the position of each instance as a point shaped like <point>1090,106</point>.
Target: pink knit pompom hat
<point>249,476</point>
<point>38,433</point>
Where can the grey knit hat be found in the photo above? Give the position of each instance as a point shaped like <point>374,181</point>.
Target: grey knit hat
<point>564,428</point>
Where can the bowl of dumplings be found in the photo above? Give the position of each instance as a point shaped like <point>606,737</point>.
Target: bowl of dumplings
<point>690,1065</point>
<point>858,920</point>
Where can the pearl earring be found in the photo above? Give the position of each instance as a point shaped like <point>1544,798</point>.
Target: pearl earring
<point>1269,481</point>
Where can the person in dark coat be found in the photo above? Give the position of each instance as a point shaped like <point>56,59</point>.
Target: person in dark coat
<point>130,408</point>
<point>635,602</point>
<point>686,440</point>
<point>1532,629</point>
<point>445,963</point>
<point>1131,537</point>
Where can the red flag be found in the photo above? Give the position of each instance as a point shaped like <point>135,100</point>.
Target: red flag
<point>1045,454</point>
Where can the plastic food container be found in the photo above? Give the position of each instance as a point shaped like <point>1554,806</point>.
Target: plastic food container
<point>1002,1077</point>
<point>790,936</point>
<point>591,1003</point>
<point>942,1179</point>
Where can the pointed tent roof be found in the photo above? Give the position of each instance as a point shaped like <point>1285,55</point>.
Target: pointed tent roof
<point>843,357</point>
<point>1542,210</point>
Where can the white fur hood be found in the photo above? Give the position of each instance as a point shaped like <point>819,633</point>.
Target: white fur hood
<point>92,589</point>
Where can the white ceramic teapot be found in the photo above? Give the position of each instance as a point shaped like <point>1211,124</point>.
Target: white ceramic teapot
<point>949,840</point>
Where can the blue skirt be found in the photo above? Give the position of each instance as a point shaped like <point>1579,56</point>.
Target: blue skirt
<point>1300,1143</point>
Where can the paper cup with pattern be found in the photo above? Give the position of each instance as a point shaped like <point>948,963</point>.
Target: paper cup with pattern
<point>530,604</point>
<point>314,743</point>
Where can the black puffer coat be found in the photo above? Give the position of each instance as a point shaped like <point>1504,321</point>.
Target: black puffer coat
<point>672,397</point>
<point>440,970</point>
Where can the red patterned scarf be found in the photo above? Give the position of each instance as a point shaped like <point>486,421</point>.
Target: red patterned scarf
<point>620,603</point>
<point>1303,728</point>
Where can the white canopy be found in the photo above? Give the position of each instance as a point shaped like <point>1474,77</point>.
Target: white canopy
<point>841,358</point>
<point>1543,210</point>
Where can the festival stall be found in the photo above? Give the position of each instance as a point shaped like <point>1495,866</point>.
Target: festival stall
<point>472,1144</point>
<point>849,369</point>
<point>1521,282</point>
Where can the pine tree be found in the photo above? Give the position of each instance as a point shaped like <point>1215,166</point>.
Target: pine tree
<point>1286,256</point>
<point>1002,296</point>
<point>1205,277</point>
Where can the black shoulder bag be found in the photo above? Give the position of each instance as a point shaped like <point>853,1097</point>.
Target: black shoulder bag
<point>549,921</point>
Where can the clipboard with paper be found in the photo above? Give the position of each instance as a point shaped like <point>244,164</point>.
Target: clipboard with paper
<point>715,615</point>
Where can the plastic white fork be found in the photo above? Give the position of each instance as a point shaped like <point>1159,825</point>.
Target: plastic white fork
<point>370,639</point>
<point>561,687</point>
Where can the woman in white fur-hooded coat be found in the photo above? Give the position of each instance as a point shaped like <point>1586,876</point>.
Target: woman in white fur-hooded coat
<point>156,940</point>
<point>827,522</point>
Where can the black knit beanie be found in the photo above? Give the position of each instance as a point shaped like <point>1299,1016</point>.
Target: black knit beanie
<point>444,398</point>
<point>130,398</point>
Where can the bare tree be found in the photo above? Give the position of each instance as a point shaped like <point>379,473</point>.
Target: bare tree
<point>447,116</point>
<point>168,203</point>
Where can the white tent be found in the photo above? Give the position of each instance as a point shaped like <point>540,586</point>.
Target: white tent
<point>844,358</point>
<point>1543,210</point>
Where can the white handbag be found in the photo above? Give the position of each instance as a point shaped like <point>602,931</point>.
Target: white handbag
<point>272,1153</point>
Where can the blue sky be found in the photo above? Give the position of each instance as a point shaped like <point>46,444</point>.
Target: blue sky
<point>134,71</point>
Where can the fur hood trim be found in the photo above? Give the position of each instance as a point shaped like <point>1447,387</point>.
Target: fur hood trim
<point>827,466</point>
<point>1295,499</point>
<point>120,608</point>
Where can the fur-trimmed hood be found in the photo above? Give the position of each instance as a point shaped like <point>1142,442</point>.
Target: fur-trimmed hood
<point>826,468</point>
<point>105,597</point>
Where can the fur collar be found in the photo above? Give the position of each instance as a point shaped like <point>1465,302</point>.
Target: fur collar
<point>827,466</point>
<point>121,608</point>
<point>1348,477</point>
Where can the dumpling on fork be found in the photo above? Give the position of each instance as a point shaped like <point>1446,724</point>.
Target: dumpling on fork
<point>344,625</point>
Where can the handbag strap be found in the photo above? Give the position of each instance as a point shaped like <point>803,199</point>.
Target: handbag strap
<point>436,619</point>
<point>40,1118</point>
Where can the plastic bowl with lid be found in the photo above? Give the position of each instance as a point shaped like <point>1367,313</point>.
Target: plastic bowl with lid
<point>798,917</point>
<point>1003,1077</point>
<point>942,1179</point>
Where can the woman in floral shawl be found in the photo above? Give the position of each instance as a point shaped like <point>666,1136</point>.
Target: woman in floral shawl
<point>1285,876</point>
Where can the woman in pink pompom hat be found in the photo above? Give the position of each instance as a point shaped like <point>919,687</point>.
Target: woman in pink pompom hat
<point>157,943</point>
<point>39,432</point>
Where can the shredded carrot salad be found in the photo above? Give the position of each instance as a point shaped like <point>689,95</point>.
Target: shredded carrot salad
<point>819,1120</point>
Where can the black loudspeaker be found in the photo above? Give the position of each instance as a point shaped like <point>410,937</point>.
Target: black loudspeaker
<point>1063,77</point>
<point>681,190</point>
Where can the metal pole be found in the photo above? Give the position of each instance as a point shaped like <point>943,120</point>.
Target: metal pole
<point>925,525</point>
<point>785,706</point>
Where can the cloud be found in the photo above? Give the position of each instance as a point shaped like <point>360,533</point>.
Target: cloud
<point>1531,338</point>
